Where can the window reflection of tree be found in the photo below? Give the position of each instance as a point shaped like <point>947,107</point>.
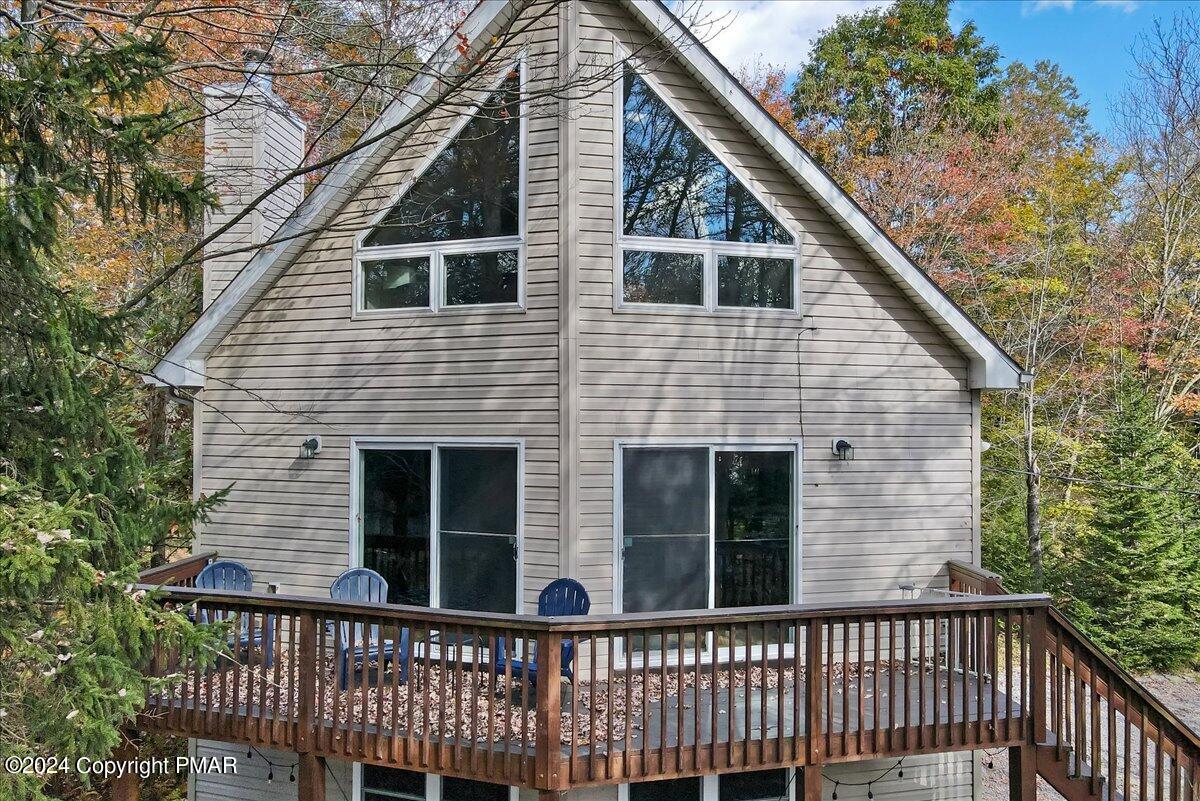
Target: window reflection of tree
<point>472,189</point>
<point>675,187</point>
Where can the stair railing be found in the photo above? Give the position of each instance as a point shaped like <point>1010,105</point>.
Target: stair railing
<point>1105,728</point>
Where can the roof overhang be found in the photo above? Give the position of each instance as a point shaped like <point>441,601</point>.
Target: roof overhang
<point>990,366</point>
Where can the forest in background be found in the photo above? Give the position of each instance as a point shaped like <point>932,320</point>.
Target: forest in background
<point>1079,252</point>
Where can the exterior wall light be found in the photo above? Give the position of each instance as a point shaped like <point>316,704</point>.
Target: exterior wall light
<point>843,450</point>
<point>310,447</point>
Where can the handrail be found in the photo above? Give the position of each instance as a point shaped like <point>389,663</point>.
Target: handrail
<point>965,577</point>
<point>270,602</point>
<point>1131,683</point>
<point>185,569</point>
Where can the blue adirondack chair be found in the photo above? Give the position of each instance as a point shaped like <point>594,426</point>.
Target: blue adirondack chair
<point>363,585</point>
<point>564,596</point>
<point>227,575</point>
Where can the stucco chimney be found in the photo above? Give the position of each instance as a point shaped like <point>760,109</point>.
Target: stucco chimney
<point>251,139</point>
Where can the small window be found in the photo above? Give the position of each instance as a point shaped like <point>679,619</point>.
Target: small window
<point>388,784</point>
<point>661,277</point>
<point>454,237</point>
<point>755,785</point>
<point>396,283</point>
<point>754,281</point>
<point>689,789</point>
<point>727,250</point>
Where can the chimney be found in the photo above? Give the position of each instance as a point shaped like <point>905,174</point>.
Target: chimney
<point>251,139</point>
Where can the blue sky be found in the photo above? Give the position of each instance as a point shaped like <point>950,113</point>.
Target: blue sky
<point>1090,39</point>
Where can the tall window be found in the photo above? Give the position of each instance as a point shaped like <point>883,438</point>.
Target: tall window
<point>439,522</point>
<point>706,526</point>
<point>454,237</point>
<point>692,233</point>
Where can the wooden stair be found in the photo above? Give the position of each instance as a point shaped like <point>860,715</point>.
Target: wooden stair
<point>1074,782</point>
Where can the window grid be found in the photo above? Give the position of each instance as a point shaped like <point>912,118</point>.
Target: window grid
<point>436,250</point>
<point>711,250</point>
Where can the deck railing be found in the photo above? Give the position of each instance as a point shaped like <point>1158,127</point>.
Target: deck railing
<point>652,695</point>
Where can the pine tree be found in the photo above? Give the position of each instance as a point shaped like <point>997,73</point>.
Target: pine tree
<point>78,504</point>
<point>1134,572</point>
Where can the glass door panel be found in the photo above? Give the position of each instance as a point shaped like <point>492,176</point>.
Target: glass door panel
<point>753,529</point>
<point>395,521</point>
<point>664,517</point>
<point>477,529</point>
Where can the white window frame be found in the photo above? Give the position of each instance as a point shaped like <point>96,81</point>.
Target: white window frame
<point>435,251</point>
<point>433,786</point>
<point>710,788</point>
<point>791,445</point>
<point>360,444</point>
<point>711,250</point>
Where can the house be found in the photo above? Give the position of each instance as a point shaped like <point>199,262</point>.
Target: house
<point>609,322</point>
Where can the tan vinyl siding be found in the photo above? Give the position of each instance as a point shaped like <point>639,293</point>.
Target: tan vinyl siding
<point>298,364</point>
<point>860,362</point>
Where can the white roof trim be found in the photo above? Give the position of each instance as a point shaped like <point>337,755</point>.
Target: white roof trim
<point>991,367</point>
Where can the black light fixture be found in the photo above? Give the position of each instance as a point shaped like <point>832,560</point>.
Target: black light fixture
<point>310,447</point>
<point>843,450</point>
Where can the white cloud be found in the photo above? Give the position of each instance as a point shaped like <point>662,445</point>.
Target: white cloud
<point>1037,6</point>
<point>778,32</point>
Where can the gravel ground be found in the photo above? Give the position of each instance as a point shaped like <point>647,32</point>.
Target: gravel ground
<point>1179,693</point>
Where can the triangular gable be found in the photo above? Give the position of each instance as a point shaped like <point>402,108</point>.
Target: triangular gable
<point>991,367</point>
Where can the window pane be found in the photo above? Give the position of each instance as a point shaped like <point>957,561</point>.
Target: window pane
<point>478,522</point>
<point>396,283</point>
<point>481,277</point>
<point>667,790</point>
<point>675,187</point>
<point>396,521</point>
<point>758,785</point>
<point>664,491</point>
<point>472,189</point>
<point>664,509</point>
<point>395,782</point>
<point>753,281</point>
<point>455,789</point>
<point>753,527</point>
<point>654,277</point>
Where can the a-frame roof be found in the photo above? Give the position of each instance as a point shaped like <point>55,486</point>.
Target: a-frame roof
<point>991,367</point>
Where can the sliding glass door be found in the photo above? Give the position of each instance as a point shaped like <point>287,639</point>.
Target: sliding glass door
<point>706,526</point>
<point>440,522</point>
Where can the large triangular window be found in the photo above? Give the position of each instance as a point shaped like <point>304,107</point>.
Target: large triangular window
<point>693,233</point>
<point>453,238</point>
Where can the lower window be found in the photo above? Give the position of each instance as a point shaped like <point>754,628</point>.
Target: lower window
<point>440,523</point>
<point>760,785</point>
<point>706,526</point>
<point>388,784</point>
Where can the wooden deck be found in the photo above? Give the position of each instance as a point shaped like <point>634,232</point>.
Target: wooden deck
<point>664,695</point>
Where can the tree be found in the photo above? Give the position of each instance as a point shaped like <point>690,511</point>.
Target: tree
<point>1134,572</point>
<point>77,500</point>
<point>1160,131</point>
<point>871,75</point>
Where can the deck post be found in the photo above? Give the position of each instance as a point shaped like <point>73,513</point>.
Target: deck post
<point>1037,674</point>
<point>311,778</point>
<point>306,655</point>
<point>548,736</point>
<point>811,776</point>
<point>126,787</point>
<point>1022,773</point>
<point>813,670</point>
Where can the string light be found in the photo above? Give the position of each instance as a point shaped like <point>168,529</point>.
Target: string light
<point>272,765</point>
<point>870,785</point>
